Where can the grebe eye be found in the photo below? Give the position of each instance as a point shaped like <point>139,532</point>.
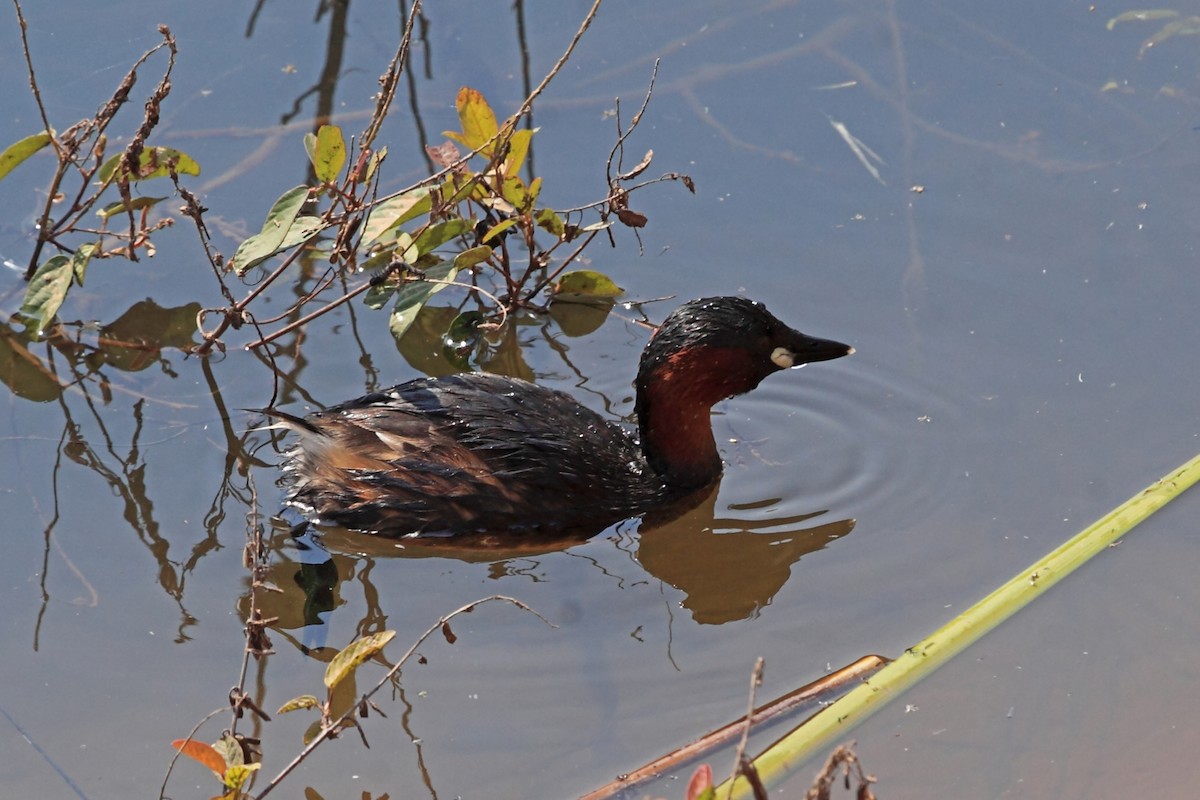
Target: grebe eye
<point>783,358</point>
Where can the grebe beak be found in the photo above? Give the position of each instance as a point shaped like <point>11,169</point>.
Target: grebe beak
<point>805,349</point>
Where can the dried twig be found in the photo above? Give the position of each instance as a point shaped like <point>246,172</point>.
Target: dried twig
<point>842,761</point>
<point>858,671</point>
<point>739,758</point>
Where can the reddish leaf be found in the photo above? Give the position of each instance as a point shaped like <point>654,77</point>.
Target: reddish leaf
<point>700,783</point>
<point>444,155</point>
<point>204,753</point>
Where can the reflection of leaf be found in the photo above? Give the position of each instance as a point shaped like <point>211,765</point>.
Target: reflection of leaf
<point>24,373</point>
<point>17,152</point>
<point>1182,27</point>
<point>345,662</point>
<point>585,285</point>
<point>461,337</point>
<point>1142,16</point>
<point>204,753</point>
<point>507,357</point>
<point>580,319</point>
<point>136,339</point>
<point>421,344</point>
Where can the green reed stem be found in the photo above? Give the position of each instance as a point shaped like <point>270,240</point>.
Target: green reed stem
<point>794,749</point>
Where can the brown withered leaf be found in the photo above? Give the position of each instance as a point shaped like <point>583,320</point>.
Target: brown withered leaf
<point>639,169</point>
<point>449,634</point>
<point>631,218</point>
<point>444,155</point>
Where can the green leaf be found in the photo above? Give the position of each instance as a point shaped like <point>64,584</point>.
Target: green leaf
<point>439,233</point>
<point>469,258</point>
<point>535,188</point>
<point>412,296</point>
<point>396,211</point>
<point>477,119</point>
<point>230,749</point>
<point>267,242</point>
<point>154,162</point>
<point>297,703</point>
<point>79,261</point>
<point>303,229</point>
<point>518,150</point>
<point>17,152</point>
<point>585,284</point>
<point>327,152</point>
<point>345,662</point>
<point>373,164</point>
<point>135,204</point>
<point>236,776</point>
<point>49,285</point>
<point>549,221</point>
<point>518,195</point>
<point>499,228</point>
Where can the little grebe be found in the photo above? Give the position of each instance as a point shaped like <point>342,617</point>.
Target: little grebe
<point>483,453</point>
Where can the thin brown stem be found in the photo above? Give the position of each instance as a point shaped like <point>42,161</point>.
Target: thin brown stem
<point>336,725</point>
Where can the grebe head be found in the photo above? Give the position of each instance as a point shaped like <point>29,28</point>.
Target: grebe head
<point>705,351</point>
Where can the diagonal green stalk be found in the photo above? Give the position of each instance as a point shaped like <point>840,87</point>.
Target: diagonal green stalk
<point>790,752</point>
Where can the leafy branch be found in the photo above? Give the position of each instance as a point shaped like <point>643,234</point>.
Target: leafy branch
<point>82,175</point>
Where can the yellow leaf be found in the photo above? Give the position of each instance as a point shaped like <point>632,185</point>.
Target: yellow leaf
<point>296,703</point>
<point>235,777</point>
<point>477,119</point>
<point>345,662</point>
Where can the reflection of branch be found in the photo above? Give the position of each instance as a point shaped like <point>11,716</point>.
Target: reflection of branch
<point>411,78</point>
<point>526,77</point>
<point>37,95</point>
<point>388,81</point>
<point>337,724</point>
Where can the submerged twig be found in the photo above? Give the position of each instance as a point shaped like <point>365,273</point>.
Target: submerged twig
<point>858,671</point>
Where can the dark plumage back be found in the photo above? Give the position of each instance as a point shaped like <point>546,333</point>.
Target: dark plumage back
<point>466,453</point>
<point>482,453</point>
